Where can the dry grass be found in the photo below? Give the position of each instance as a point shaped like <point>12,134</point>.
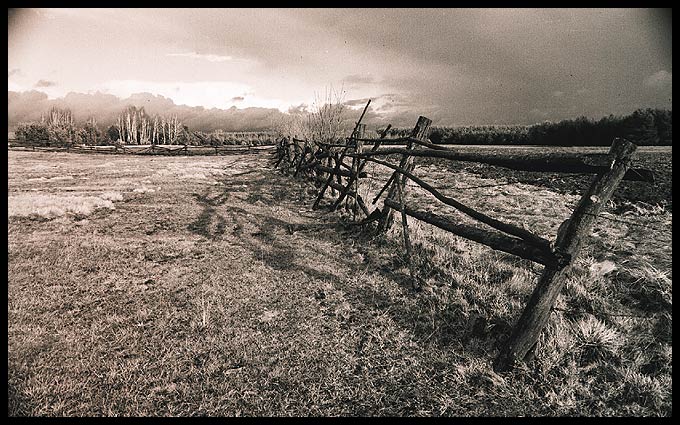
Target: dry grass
<point>51,206</point>
<point>235,299</point>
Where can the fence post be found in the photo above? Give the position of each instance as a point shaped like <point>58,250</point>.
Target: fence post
<point>407,240</point>
<point>342,156</point>
<point>358,149</point>
<point>290,152</point>
<point>301,159</point>
<point>419,132</point>
<point>570,236</point>
<point>360,168</point>
<point>280,153</point>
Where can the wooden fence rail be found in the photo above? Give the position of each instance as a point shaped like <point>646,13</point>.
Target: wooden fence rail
<point>306,158</point>
<point>140,149</point>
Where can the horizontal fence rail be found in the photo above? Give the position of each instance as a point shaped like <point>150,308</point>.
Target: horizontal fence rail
<point>140,149</point>
<point>323,162</point>
<point>555,162</point>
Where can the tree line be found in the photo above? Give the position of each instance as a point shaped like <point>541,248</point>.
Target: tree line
<point>646,127</point>
<point>134,126</point>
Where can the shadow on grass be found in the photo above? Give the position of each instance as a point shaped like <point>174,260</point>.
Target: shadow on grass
<point>271,242</point>
<point>17,403</point>
<point>209,224</point>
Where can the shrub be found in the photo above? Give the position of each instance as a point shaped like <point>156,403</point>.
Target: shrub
<point>33,132</point>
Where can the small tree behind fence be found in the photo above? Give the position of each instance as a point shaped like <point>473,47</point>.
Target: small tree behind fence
<point>324,163</point>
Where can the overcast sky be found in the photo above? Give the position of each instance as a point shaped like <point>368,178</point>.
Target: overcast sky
<point>456,66</point>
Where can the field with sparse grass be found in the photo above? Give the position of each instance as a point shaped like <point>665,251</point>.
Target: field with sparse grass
<point>207,286</point>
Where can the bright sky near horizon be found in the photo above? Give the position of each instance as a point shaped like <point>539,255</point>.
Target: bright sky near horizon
<point>456,66</point>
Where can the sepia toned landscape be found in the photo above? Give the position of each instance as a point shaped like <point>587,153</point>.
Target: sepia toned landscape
<point>359,252</point>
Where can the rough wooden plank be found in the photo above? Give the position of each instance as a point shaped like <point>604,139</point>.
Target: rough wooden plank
<point>334,172</point>
<point>498,241</point>
<point>302,158</point>
<point>360,201</point>
<point>547,162</point>
<point>361,168</point>
<point>342,156</point>
<point>352,181</point>
<point>570,237</point>
<point>420,131</point>
<point>496,224</point>
<point>407,240</point>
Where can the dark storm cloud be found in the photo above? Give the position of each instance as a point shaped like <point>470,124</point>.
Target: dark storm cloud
<point>15,71</point>
<point>456,66</point>
<point>237,98</point>
<point>486,66</point>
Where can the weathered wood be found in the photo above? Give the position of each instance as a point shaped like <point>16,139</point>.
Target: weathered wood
<point>302,158</point>
<point>360,201</point>
<point>546,162</point>
<point>373,216</point>
<point>358,148</point>
<point>385,186</point>
<point>342,156</point>
<point>334,172</point>
<point>361,204</point>
<point>407,240</point>
<point>499,225</point>
<point>361,168</point>
<point>570,237</point>
<point>419,132</point>
<point>291,154</point>
<point>498,241</point>
<point>280,151</point>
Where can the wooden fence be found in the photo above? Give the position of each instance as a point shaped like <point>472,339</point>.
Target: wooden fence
<point>324,163</point>
<point>140,149</point>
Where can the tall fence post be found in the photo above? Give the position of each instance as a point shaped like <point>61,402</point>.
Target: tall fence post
<point>342,156</point>
<point>407,239</point>
<point>290,153</point>
<point>358,149</point>
<point>360,168</point>
<point>570,236</point>
<point>301,159</point>
<point>419,132</point>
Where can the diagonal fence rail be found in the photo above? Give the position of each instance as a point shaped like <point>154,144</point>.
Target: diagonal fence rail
<point>304,158</point>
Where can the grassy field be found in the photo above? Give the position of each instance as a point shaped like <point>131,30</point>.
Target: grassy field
<point>207,286</point>
<point>656,158</point>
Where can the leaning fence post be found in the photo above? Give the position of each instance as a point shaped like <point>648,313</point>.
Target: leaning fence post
<point>342,156</point>
<point>570,236</point>
<point>407,239</point>
<point>358,149</point>
<point>290,152</point>
<point>419,132</point>
<point>301,160</point>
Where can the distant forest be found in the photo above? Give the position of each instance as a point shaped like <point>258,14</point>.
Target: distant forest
<point>133,127</point>
<point>647,127</point>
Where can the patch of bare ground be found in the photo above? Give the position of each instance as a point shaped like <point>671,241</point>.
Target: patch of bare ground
<point>221,293</point>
